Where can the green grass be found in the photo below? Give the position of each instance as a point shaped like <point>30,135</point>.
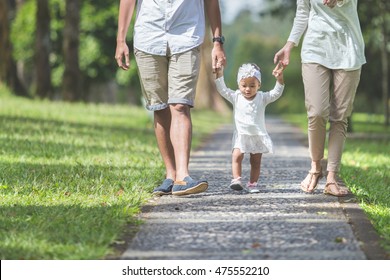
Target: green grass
<point>365,167</point>
<point>73,176</point>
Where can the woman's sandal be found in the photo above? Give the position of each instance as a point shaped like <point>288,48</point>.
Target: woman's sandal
<point>339,190</point>
<point>314,177</point>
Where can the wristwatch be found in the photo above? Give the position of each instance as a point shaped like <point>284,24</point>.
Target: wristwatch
<point>219,39</point>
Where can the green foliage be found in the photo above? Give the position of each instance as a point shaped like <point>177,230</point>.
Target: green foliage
<point>4,91</point>
<point>369,123</point>
<point>23,32</point>
<point>98,38</point>
<point>375,19</point>
<point>98,29</point>
<point>258,42</point>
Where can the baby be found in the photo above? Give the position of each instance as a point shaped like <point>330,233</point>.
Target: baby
<point>250,134</point>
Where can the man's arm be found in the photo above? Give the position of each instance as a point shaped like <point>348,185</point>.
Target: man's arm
<point>214,16</point>
<point>126,10</point>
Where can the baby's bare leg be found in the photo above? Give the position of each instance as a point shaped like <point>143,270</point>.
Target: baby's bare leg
<point>255,161</point>
<point>237,158</point>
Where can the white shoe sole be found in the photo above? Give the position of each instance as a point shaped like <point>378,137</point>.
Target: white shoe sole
<point>201,187</point>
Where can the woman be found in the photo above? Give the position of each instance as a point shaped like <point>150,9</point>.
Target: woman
<point>332,56</point>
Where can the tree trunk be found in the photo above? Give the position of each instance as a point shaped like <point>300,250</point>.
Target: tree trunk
<point>71,86</point>
<point>5,50</point>
<point>42,50</point>
<point>8,71</point>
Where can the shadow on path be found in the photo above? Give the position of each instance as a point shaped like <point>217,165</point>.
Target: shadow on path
<point>280,222</point>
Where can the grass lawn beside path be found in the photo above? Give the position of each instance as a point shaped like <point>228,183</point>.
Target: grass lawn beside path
<point>73,176</point>
<point>365,167</point>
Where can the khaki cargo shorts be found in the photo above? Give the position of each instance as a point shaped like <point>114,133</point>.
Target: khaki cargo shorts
<point>168,79</point>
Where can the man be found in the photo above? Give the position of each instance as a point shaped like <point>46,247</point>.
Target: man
<point>167,39</point>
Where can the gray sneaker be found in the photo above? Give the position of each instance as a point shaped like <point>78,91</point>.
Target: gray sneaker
<point>165,188</point>
<point>189,186</point>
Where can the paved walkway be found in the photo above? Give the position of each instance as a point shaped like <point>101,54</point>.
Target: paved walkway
<point>281,222</point>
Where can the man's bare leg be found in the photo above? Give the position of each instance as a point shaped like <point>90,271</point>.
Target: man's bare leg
<point>181,137</point>
<point>162,127</point>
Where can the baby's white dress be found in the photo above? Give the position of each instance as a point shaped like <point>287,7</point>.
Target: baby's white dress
<point>250,134</point>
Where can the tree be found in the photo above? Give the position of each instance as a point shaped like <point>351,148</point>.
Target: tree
<point>375,19</point>
<point>71,87</point>
<point>8,72</point>
<point>5,50</point>
<point>42,50</point>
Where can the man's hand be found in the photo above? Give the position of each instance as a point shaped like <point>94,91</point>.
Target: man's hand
<point>218,72</point>
<point>122,56</point>
<point>218,59</point>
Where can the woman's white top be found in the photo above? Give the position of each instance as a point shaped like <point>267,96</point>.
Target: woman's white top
<point>250,134</point>
<point>333,36</point>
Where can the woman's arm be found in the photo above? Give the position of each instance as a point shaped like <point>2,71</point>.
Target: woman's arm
<point>299,27</point>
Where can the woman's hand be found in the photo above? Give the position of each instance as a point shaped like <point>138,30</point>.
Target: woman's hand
<point>283,55</point>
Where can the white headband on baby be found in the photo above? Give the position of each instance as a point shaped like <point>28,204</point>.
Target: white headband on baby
<point>248,70</point>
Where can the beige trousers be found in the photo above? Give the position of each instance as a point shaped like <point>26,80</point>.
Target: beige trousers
<point>329,96</point>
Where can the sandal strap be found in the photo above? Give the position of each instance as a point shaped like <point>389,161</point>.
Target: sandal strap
<point>332,183</point>
<point>339,190</point>
<point>314,176</point>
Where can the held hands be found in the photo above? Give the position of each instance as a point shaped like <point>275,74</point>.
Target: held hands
<point>218,72</point>
<point>283,55</point>
<point>218,60</point>
<point>278,72</point>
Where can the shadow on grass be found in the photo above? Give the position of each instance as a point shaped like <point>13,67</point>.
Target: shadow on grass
<point>66,138</point>
<point>60,232</point>
<point>26,178</point>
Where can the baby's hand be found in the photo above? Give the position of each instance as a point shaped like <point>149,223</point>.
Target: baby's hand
<point>218,71</point>
<point>278,71</point>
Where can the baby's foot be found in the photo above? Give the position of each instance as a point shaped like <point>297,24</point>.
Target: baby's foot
<point>236,184</point>
<point>253,187</point>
